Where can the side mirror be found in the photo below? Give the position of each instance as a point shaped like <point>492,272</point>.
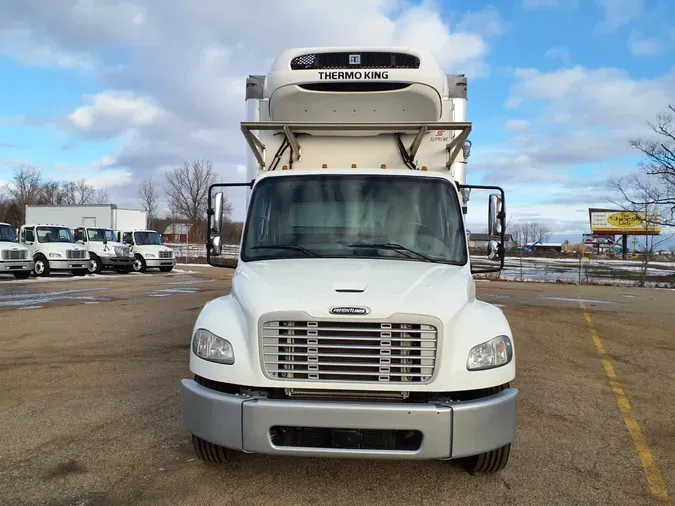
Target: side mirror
<point>494,215</point>
<point>217,221</point>
<point>494,250</point>
<point>216,246</point>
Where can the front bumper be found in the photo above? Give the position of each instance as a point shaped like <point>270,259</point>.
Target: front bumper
<point>449,430</point>
<point>116,261</point>
<point>160,262</point>
<point>57,265</point>
<point>16,265</point>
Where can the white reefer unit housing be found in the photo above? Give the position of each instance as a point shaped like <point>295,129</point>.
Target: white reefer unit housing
<point>87,215</point>
<point>348,107</point>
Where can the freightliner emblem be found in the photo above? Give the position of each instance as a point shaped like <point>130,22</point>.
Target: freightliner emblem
<point>349,310</point>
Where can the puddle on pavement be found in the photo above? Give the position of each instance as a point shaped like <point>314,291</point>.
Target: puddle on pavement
<point>574,299</point>
<point>166,292</point>
<point>37,300</point>
<point>191,282</point>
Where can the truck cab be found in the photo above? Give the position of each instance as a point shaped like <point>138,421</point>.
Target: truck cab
<point>53,248</point>
<point>352,328</point>
<point>105,252</point>
<point>14,258</point>
<point>148,250</point>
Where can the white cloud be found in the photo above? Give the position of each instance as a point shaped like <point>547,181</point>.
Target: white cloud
<point>561,53</point>
<point>617,13</point>
<point>549,4</point>
<point>640,45</point>
<point>517,125</point>
<point>488,22</point>
<point>112,112</point>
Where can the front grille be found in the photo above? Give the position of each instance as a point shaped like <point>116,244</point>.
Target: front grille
<point>164,254</point>
<point>368,60</point>
<point>349,351</point>
<point>122,251</point>
<point>76,254</point>
<point>14,254</point>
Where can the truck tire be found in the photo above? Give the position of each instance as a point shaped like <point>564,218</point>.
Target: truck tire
<point>494,460</point>
<point>80,272</point>
<point>166,268</point>
<point>139,264</point>
<point>22,275</point>
<point>41,268</point>
<point>212,453</point>
<point>124,270</point>
<point>95,265</point>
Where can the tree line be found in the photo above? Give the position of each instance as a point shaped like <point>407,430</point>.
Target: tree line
<point>184,192</point>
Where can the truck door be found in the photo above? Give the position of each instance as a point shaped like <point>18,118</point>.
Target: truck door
<point>27,238</point>
<point>80,235</point>
<point>128,239</point>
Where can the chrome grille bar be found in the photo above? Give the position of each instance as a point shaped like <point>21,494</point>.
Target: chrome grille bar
<point>349,351</point>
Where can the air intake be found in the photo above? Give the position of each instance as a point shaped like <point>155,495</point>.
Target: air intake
<point>355,60</point>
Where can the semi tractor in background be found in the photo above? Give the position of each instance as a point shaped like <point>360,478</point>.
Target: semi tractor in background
<point>15,258</point>
<point>114,238</point>
<point>352,328</point>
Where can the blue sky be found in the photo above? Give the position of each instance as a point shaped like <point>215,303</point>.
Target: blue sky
<point>115,91</point>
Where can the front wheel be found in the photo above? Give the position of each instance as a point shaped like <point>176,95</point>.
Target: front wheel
<point>95,265</point>
<point>489,462</point>
<point>41,266</point>
<point>139,264</point>
<point>123,269</point>
<point>166,268</point>
<point>22,275</point>
<point>212,453</point>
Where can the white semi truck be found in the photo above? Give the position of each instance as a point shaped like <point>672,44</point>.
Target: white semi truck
<point>352,328</point>
<point>93,226</point>
<point>148,250</point>
<point>53,248</point>
<point>14,258</point>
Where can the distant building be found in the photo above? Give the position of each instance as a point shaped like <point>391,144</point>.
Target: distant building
<point>481,241</point>
<point>177,233</point>
<point>545,246</point>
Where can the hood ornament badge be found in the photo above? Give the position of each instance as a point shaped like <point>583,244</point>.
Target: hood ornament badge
<point>349,310</point>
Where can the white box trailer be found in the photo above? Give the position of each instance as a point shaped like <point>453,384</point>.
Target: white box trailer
<point>87,215</point>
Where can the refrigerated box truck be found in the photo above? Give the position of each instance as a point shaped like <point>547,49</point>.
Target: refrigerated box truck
<point>353,328</point>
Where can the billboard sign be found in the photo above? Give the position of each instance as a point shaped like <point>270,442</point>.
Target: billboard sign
<point>598,239</point>
<point>612,222</point>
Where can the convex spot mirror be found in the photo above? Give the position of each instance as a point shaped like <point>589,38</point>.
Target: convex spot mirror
<point>494,215</point>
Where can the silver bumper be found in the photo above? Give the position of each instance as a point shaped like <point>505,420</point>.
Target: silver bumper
<point>117,261</point>
<point>449,430</point>
<point>16,265</point>
<point>160,262</point>
<point>57,265</point>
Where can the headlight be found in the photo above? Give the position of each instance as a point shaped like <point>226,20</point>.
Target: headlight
<point>212,348</point>
<point>493,353</point>
<point>150,255</point>
<point>55,255</point>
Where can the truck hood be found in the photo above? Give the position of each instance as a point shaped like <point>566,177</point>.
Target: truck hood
<point>11,245</point>
<point>385,287</point>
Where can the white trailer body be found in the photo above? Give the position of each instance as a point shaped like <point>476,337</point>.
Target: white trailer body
<point>352,328</point>
<point>107,216</point>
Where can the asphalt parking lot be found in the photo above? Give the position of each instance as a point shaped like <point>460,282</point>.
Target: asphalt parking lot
<point>90,372</point>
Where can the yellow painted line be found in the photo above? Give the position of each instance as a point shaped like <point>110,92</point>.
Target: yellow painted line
<point>656,486</point>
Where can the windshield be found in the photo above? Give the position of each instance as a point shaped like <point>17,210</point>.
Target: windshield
<point>7,233</point>
<point>144,238</point>
<point>402,217</point>
<point>54,234</point>
<point>98,234</point>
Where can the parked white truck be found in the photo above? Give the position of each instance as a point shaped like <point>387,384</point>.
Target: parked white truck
<point>148,250</point>
<point>14,258</point>
<point>352,328</point>
<point>93,226</point>
<point>53,248</point>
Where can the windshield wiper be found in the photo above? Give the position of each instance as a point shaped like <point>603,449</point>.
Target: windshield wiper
<point>392,246</point>
<point>288,246</point>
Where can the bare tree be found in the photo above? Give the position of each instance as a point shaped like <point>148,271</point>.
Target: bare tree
<point>540,232</point>
<point>25,189</point>
<point>187,190</point>
<point>149,196</point>
<point>100,196</point>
